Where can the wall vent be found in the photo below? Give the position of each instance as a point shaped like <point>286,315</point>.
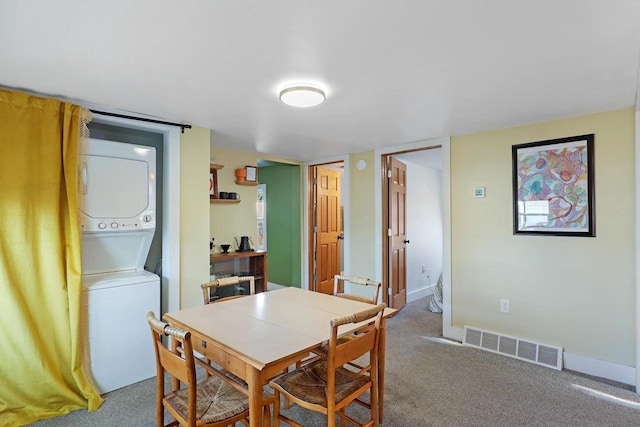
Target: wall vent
<point>527,350</point>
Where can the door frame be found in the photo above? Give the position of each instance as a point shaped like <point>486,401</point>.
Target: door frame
<point>448,330</point>
<point>170,280</point>
<point>345,200</point>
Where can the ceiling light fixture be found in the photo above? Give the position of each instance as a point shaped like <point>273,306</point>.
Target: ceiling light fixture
<point>302,96</point>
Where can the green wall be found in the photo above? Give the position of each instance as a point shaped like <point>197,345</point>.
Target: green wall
<point>283,223</point>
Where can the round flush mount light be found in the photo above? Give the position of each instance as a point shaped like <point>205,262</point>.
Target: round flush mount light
<point>302,96</point>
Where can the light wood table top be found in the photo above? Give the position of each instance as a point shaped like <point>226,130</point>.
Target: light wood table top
<point>266,331</point>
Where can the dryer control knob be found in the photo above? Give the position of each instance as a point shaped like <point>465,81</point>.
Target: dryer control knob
<point>146,218</point>
<point>114,225</point>
<point>102,226</point>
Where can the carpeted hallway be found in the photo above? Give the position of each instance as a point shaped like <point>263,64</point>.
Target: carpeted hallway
<point>433,383</point>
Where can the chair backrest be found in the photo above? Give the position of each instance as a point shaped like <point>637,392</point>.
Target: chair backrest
<point>210,289</point>
<point>360,281</point>
<point>178,361</point>
<point>361,341</point>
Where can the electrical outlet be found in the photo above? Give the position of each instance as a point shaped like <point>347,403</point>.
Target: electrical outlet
<point>424,270</point>
<point>505,305</point>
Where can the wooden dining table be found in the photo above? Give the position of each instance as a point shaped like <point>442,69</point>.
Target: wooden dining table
<point>258,336</point>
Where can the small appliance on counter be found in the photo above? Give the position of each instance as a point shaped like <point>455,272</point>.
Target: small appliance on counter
<point>244,245</point>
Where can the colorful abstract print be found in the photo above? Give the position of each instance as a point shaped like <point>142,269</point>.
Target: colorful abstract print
<point>553,188</point>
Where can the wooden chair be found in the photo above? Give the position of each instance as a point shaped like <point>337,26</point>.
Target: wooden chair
<point>210,295</point>
<point>325,385</point>
<point>210,289</point>
<point>211,403</point>
<point>375,290</point>
<point>359,281</point>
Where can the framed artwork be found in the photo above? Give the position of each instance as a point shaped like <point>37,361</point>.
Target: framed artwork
<point>213,184</point>
<point>252,173</point>
<point>553,187</point>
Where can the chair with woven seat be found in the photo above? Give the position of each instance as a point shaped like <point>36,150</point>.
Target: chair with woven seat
<point>326,385</point>
<point>210,289</point>
<point>214,402</point>
<point>210,295</point>
<point>372,286</point>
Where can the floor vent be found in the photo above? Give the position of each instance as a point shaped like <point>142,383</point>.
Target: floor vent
<point>530,351</point>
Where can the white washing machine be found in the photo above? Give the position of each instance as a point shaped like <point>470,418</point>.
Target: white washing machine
<point>117,218</point>
<point>120,344</point>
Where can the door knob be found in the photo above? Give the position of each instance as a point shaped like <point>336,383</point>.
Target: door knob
<point>340,237</point>
<point>406,241</point>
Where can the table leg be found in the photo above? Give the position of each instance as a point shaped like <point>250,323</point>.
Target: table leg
<point>255,383</point>
<point>381,357</point>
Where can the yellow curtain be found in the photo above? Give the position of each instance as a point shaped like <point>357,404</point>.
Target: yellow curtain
<point>41,371</point>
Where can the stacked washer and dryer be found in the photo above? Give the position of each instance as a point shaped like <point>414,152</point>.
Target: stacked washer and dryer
<point>117,207</point>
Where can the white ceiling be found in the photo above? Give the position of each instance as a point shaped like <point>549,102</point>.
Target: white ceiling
<point>394,72</point>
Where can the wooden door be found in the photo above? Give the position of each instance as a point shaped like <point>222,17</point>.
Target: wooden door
<point>397,232</point>
<point>327,228</point>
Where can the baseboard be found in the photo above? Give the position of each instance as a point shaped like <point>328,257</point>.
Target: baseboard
<point>419,293</point>
<point>600,368</point>
<point>573,362</point>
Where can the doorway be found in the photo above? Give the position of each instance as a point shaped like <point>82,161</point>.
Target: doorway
<point>412,218</point>
<point>151,139</point>
<point>279,221</point>
<point>168,265</point>
<point>326,225</point>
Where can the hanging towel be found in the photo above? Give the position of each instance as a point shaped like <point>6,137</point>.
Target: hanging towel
<point>435,303</point>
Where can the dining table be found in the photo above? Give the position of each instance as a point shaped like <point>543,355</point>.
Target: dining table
<point>256,337</point>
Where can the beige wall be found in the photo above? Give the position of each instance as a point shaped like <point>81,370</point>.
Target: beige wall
<point>573,292</point>
<point>229,221</point>
<point>361,237</point>
<point>194,215</point>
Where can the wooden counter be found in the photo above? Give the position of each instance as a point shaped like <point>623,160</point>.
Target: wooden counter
<point>242,264</point>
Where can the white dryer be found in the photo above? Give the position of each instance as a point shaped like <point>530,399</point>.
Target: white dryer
<point>117,218</point>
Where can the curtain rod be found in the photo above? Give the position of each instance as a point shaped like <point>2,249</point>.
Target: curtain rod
<point>142,119</point>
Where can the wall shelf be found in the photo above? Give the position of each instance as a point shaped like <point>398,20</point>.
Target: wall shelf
<point>225,201</point>
<point>215,166</point>
<point>251,183</point>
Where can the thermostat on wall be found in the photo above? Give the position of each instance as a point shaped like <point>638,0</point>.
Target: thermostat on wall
<point>478,192</point>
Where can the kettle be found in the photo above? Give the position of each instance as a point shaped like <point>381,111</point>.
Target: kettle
<point>244,245</point>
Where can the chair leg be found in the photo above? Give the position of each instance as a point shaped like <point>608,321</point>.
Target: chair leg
<point>266,418</point>
<point>159,413</point>
<point>331,419</point>
<point>287,402</point>
<point>374,404</point>
<point>276,409</point>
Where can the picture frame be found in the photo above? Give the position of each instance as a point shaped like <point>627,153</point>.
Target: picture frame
<point>213,183</point>
<point>554,187</point>
<point>252,173</point>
